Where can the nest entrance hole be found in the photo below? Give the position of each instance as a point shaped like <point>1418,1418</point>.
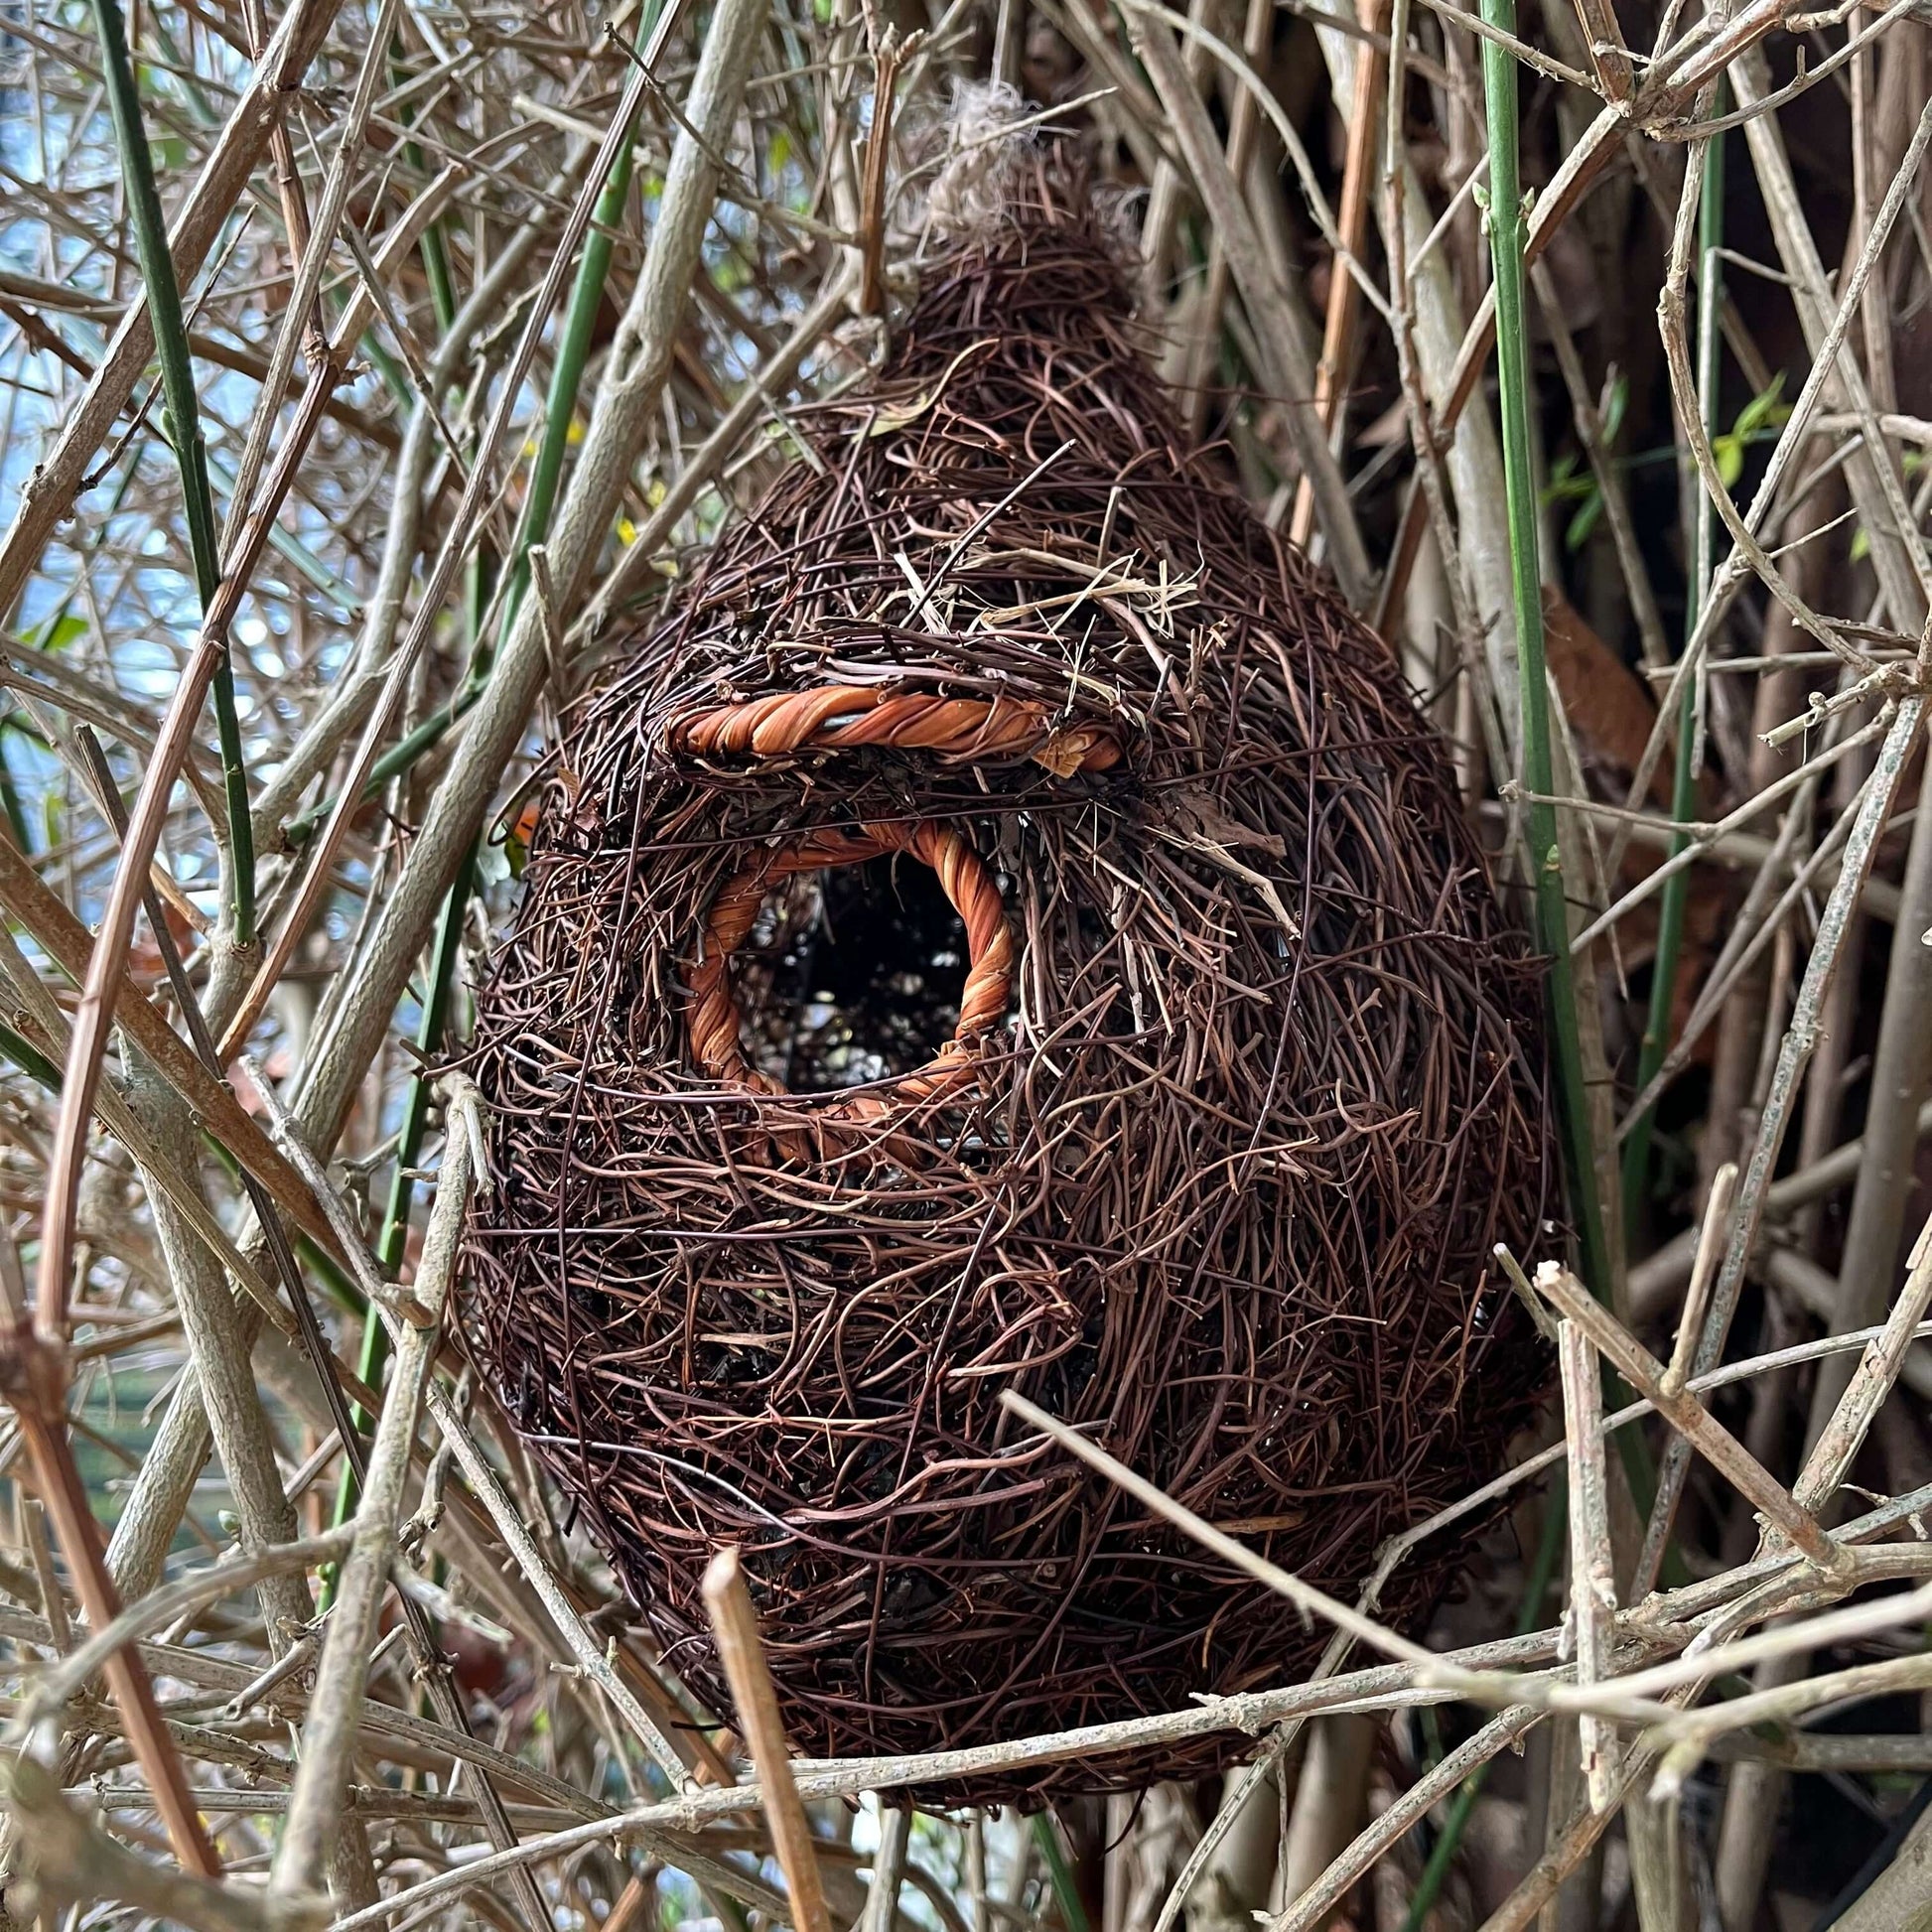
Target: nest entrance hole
<point>852,974</point>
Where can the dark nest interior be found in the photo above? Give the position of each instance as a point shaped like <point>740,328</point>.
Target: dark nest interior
<point>1005,925</point>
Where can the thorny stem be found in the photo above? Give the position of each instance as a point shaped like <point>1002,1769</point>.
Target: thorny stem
<point>35,1376</point>
<point>1505,217</point>
<point>560,410</point>
<point>51,490</point>
<point>101,986</point>
<point>431,248</point>
<point>181,421</point>
<point>628,396</point>
<point>1800,1041</point>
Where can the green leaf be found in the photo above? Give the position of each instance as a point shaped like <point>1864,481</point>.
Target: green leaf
<point>1614,406</point>
<point>1766,409</point>
<point>61,633</point>
<point>1589,513</point>
<point>1568,482</point>
<point>1730,453</point>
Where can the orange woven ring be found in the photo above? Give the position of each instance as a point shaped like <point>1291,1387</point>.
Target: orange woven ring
<point>840,717</point>
<point>713,1014</point>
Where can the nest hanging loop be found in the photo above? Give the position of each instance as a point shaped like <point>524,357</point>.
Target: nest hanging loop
<point>1007,926</point>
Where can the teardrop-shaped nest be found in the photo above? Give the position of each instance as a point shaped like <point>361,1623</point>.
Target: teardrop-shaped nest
<point>1006,925</point>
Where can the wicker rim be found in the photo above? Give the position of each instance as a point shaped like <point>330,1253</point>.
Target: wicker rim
<point>845,716</point>
<point>713,1014</point>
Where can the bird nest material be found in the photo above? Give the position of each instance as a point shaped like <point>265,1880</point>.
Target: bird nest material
<point>1005,925</point>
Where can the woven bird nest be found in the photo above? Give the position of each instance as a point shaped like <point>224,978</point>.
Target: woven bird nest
<point>1006,926</point>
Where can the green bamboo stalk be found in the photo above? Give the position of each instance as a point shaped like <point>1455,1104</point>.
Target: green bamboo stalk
<point>180,424</point>
<point>1682,801</point>
<point>1505,217</point>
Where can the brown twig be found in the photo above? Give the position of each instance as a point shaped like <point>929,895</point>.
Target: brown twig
<point>1688,1416</point>
<point>735,1626</point>
<point>1592,1574</point>
<point>328,1737</point>
<point>49,493</point>
<point>1360,165</point>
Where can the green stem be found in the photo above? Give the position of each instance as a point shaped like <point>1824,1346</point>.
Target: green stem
<point>181,423</point>
<point>1545,853</point>
<point>234,792</point>
<point>436,257</point>
<point>436,264</point>
<point>430,1030</point>
<point>567,371</point>
<point>10,794</point>
<point>343,1291</point>
<point>1073,1914</point>
<point>1683,798</point>
<point>479,581</point>
<point>1529,1616</point>
<point>396,378</point>
<point>395,760</point>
